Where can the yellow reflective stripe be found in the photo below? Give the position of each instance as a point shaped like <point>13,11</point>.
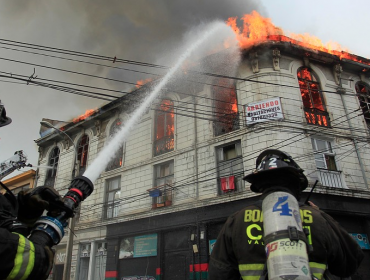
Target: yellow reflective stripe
<point>251,277</point>
<point>317,269</point>
<point>31,261</point>
<point>253,266</point>
<point>24,260</point>
<point>251,271</point>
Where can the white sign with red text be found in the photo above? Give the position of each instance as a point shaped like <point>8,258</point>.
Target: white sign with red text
<point>263,111</point>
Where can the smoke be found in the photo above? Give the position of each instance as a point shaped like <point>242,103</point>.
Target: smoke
<point>139,30</point>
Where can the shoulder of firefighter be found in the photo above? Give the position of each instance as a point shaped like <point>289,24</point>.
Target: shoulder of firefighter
<point>20,258</point>
<point>239,252</point>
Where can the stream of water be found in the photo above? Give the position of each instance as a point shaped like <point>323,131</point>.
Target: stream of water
<point>101,161</point>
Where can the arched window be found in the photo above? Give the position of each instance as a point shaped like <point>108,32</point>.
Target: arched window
<point>53,164</point>
<point>313,101</point>
<point>363,94</point>
<point>116,161</point>
<point>225,107</point>
<point>83,148</point>
<point>164,128</point>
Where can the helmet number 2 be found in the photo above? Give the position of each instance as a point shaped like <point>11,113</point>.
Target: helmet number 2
<point>282,206</point>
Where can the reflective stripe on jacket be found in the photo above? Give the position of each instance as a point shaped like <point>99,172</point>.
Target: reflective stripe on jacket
<point>255,271</point>
<point>24,260</point>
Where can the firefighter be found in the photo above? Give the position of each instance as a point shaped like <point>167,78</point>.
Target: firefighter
<point>239,252</point>
<point>22,257</point>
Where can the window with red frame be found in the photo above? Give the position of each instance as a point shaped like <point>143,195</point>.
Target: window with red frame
<point>363,94</point>
<point>225,107</point>
<point>164,128</point>
<point>313,101</point>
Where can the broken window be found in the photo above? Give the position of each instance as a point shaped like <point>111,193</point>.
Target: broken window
<point>117,159</point>
<point>83,148</point>
<point>226,118</point>
<point>313,101</point>
<point>363,94</point>
<point>164,128</point>
<point>53,164</point>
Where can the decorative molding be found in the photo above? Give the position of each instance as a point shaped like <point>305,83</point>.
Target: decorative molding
<point>276,59</point>
<point>253,57</point>
<point>337,71</point>
<point>306,61</point>
<point>97,128</point>
<point>363,77</point>
<point>41,151</point>
<point>66,142</point>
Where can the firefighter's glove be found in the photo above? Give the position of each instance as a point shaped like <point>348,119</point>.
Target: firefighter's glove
<point>8,212</point>
<point>33,202</point>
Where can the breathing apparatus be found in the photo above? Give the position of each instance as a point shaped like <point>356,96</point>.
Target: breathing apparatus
<point>281,181</point>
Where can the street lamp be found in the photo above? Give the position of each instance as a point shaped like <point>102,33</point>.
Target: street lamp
<point>68,259</point>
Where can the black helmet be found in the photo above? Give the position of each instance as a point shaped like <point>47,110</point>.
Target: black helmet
<point>274,166</point>
<point>4,120</point>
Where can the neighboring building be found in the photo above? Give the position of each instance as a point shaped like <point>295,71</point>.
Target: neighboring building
<point>21,182</point>
<point>158,207</point>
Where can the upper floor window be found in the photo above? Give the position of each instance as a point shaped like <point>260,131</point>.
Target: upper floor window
<point>164,128</point>
<point>19,189</point>
<point>313,101</point>
<point>363,94</point>
<point>225,107</point>
<point>230,168</point>
<point>113,191</point>
<point>327,171</point>
<point>53,164</point>
<point>82,152</point>
<point>116,161</point>
<point>161,193</point>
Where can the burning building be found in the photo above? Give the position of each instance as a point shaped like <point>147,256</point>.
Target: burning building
<point>158,207</point>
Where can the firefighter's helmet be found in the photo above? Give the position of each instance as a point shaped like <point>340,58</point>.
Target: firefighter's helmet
<point>4,120</point>
<point>274,166</point>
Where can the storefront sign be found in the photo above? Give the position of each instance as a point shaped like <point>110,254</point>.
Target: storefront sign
<point>362,240</point>
<point>212,243</point>
<point>139,246</point>
<point>145,246</point>
<point>262,111</point>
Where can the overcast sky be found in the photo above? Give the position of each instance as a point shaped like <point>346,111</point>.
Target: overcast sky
<point>140,30</point>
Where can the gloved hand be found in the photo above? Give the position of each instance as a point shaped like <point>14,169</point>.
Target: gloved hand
<point>33,202</point>
<point>8,212</point>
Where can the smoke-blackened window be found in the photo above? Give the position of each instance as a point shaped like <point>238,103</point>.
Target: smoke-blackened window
<point>117,160</point>
<point>83,148</point>
<point>363,94</point>
<point>164,128</point>
<point>53,164</point>
<point>313,101</point>
<point>226,118</point>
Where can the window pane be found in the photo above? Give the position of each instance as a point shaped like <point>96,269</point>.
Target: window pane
<point>321,146</point>
<point>330,162</point>
<point>320,161</point>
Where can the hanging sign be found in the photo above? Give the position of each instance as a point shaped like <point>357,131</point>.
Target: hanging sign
<point>263,111</point>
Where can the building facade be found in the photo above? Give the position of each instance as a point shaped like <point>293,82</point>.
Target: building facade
<point>157,208</point>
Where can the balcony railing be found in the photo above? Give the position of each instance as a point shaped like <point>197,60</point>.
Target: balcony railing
<point>164,145</point>
<point>161,196</point>
<point>317,117</point>
<point>330,178</point>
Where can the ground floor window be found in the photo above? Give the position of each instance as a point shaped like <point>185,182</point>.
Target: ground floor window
<point>92,260</point>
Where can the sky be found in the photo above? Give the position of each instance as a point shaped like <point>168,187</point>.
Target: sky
<point>141,30</point>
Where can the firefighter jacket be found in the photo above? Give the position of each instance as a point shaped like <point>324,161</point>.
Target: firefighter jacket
<point>21,258</point>
<point>239,252</point>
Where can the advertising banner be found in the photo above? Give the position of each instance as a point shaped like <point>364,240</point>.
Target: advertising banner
<point>361,239</point>
<point>138,246</point>
<point>263,111</point>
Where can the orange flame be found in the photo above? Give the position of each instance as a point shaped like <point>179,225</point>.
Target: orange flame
<point>88,113</point>
<point>140,83</point>
<point>257,29</point>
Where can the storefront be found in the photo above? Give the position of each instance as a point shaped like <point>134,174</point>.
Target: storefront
<point>178,245</point>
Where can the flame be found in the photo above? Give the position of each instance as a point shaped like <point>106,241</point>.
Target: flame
<point>257,29</point>
<point>140,83</point>
<point>88,113</point>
